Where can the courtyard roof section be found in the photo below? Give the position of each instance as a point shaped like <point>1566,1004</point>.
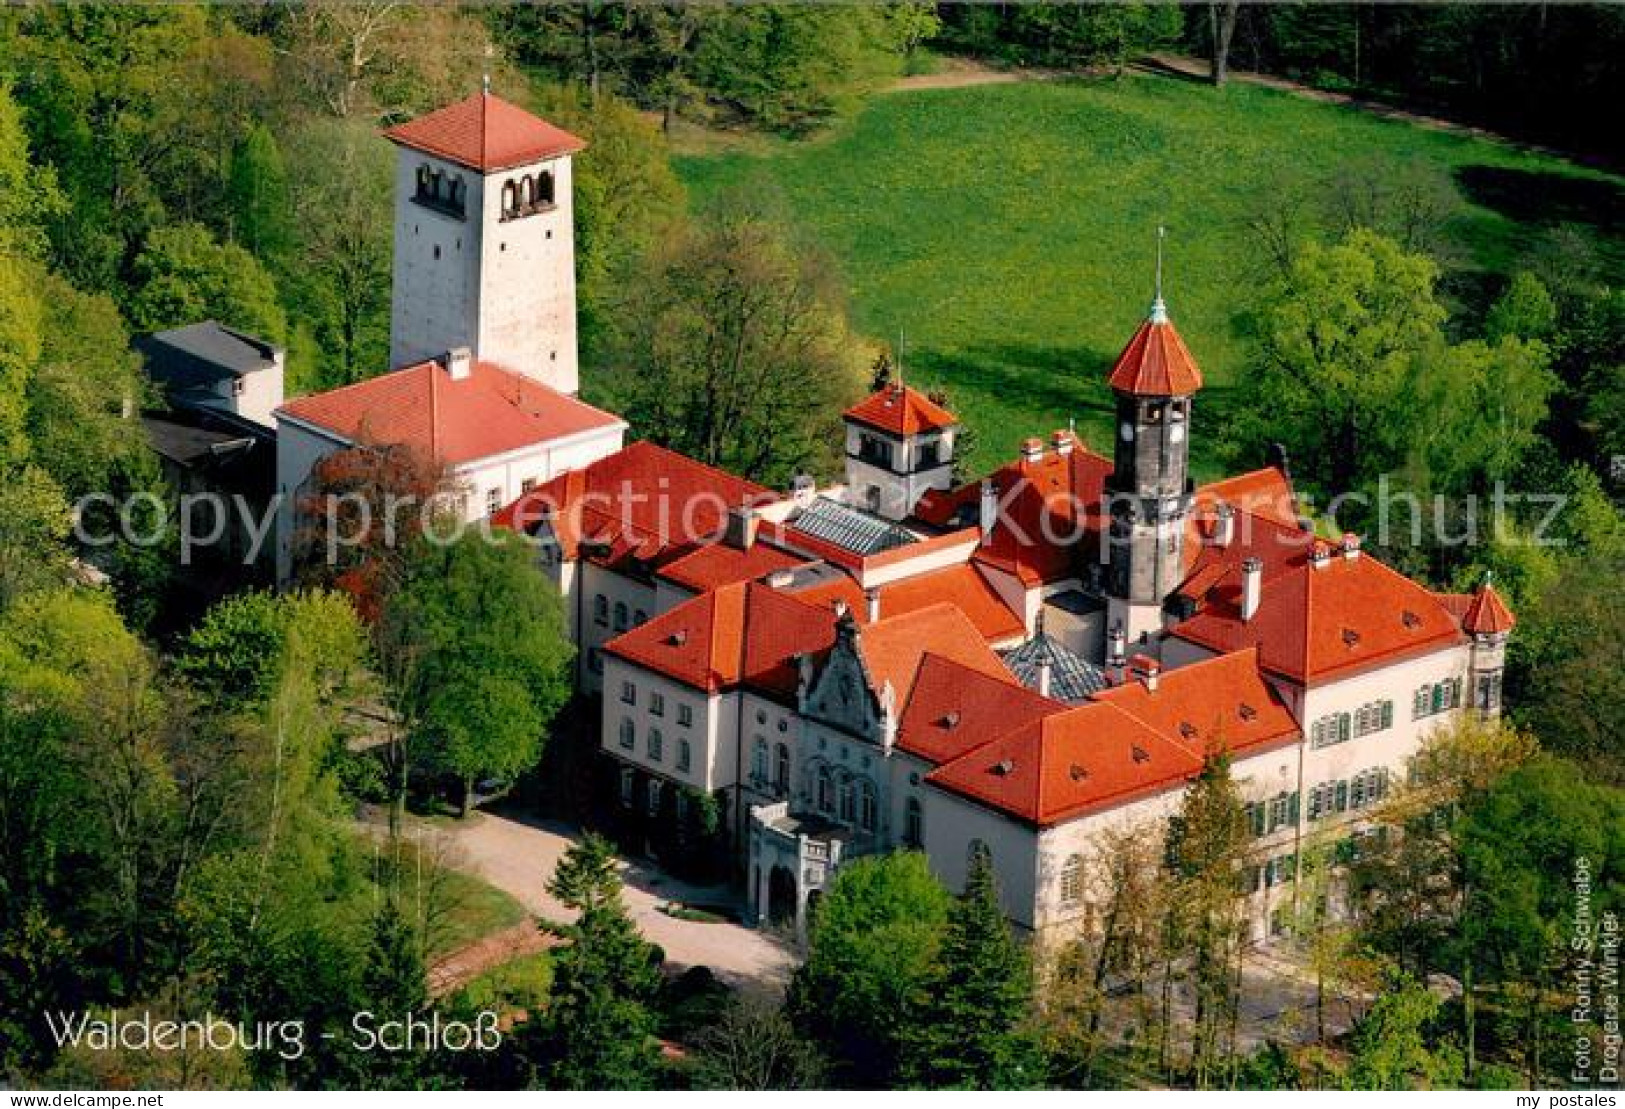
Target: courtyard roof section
<point>489,412</point>
<point>962,586</point>
<point>485,133</point>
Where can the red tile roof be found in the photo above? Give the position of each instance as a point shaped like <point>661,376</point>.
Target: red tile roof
<point>744,633</point>
<point>962,586</point>
<point>489,412</point>
<point>901,410</point>
<point>954,709</point>
<point>1488,614</point>
<point>1155,363</point>
<point>1092,757</point>
<point>1317,625</point>
<point>892,648</point>
<point>641,502</point>
<point>485,133</point>
<point>1047,505</point>
<point>718,564</point>
<point>1267,493</point>
<point>1221,702</point>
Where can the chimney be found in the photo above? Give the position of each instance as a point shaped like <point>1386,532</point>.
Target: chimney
<point>1351,546</point>
<point>1043,677</point>
<point>459,362</point>
<point>1062,442</point>
<point>1320,555</point>
<point>1252,587</point>
<point>989,513</point>
<point>1224,525</point>
<point>1147,669</point>
<point>1116,644</point>
<point>781,579</point>
<point>740,530</point>
<point>1032,450</point>
<point>803,488</point>
<point>840,609</point>
<point>873,597</point>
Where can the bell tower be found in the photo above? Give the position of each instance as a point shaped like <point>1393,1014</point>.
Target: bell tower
<point>1149,495</point>
<point>485,240</point>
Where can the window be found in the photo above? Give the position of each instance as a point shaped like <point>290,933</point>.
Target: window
<point>654,796</point>
<point>1072,881</point>
<point>639,618</point>
<point>867,815</point>
<point>657,745</point>
<point>685,715</point>
<point>685,754</point>
<point>657,704</point>
<point>629,693</point>
<point>1437,698</point>
<point>849,801</point>
<point>527,485</point>
<point>781,769</point>
<point>620,616</point>
<point>913,824</point>
<point>544,187</point>
<point>976,849</point>
<point>629,735</point>
<point>626,788</point>
<point>1253,813</point>
<point>237,386</point>
<point>758,762</point>
<point>1333,728</point>
<point>595,661</point>
<point>1373,717</point>
<point>1283,810</point>
<point>1488,697</point>
<point>600,610</point>
<point>826,791</point>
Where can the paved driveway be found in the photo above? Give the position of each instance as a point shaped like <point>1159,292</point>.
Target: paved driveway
<point>518,853</point>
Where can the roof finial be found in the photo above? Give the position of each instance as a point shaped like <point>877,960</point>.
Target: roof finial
<point>900,386</point>
<point>1159,310</point>
<point>485,81</point>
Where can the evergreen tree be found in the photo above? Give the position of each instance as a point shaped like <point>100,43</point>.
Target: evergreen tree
<point>970,1024</point>
<point>598,1032</point>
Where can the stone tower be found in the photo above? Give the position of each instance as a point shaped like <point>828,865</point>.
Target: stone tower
<point>484,240</point>
<point>1150,493</point>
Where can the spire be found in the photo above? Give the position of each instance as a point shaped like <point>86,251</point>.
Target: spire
<point>899,366</point>
<point>1159,310</point>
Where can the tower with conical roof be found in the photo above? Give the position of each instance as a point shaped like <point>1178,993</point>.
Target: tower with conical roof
<point>485,240</point>
<point>1154,381</point>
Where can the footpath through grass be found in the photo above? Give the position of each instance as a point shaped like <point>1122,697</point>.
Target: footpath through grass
<point>1009,229</point>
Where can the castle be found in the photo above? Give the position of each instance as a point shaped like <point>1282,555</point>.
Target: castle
<point>1022,664</point>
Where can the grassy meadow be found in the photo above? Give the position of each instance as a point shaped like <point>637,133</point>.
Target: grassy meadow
<point>1009,229</point>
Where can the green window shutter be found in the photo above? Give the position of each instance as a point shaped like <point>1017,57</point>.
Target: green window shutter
<point>1292,808</point>
<point>1343,728</point>
<point>1387,714</point>
<point>1342,796</point>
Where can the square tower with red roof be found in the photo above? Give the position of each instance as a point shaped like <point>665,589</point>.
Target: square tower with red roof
<point>485,240</point>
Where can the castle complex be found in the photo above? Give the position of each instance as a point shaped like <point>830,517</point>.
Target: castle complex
<point>1027,664</point>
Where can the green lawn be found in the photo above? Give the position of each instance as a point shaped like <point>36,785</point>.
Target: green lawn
<point>1009,229</point>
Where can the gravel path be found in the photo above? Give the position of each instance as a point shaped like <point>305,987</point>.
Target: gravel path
<point>517,854</point>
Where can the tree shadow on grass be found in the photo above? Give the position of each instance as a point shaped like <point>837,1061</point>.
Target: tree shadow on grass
<point>1536,197</point>
<point>1054,379</point>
